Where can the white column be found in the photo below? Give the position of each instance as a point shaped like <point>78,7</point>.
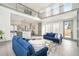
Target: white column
<point>78,27</point>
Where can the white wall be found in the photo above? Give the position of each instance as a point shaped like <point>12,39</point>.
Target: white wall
<point>5,22</point>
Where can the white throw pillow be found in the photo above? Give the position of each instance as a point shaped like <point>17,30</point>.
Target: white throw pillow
<point>58,36</point>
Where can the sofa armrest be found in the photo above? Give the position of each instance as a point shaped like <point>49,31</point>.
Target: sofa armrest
<point>44,35</point>
<point>25,39</point>
<point>42,52</point>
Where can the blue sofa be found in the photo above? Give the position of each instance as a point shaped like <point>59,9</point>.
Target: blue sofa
<point>53,37</point>
<point>22,47</point>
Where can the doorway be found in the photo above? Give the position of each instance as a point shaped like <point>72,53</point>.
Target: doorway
<point>67,28</point>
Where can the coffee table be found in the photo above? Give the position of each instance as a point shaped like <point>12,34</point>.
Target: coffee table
<point>50,45</point>
<point>44,43</point>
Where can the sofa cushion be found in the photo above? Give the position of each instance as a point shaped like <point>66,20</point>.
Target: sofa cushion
<point>54,34</point>
<point>59,36</point>
<point>26,45</point>
<point>19,50</point>
<point>50,34</point>
<point>41,52</point>
<point>31,49</point>
<point>15,39</point>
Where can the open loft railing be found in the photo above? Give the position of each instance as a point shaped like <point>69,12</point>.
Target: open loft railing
<point>50,13</point>
<point>21,8</point>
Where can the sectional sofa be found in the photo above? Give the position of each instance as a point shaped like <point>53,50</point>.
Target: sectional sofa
<point>55,37</point>
<point>22,47</point>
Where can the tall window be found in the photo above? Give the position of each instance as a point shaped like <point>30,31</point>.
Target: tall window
<point>55,5</point>
<point>55,8</point>
<point>48,29</point>
<point>48,11</point>
<point>55,11</point>
<point>56,27</point>
<point>67,7</point>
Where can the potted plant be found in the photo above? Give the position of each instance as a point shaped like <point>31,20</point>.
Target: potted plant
<point>1,34</point>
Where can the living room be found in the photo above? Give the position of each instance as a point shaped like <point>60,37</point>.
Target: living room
<point>49,34</point>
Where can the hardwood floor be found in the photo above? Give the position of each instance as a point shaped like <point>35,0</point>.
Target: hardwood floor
<point>6,49</point>
<point>67,48</point>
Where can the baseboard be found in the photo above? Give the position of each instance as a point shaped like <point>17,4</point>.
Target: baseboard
<point>4,40</point>
<point>70,39</point>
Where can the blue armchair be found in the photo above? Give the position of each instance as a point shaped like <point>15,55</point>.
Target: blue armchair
<point>22,47</point>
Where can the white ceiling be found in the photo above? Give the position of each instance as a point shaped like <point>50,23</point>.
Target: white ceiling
<point>18,19</point>
<point>37,6</point>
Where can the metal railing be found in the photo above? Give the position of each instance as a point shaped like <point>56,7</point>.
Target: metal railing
<point>21,8</point>
<point>24,9</point>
